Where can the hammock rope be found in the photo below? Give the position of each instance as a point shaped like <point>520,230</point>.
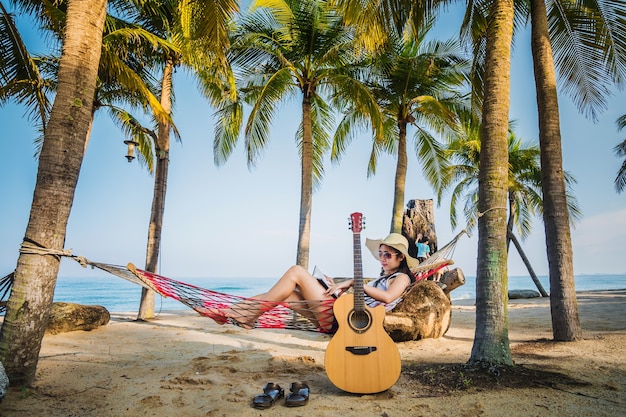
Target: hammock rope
<point>297,315</point>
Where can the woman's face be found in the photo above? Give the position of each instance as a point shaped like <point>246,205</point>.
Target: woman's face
<point>390,259</point>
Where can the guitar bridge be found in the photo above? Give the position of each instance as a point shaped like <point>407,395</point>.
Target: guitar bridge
<point>361,350</point>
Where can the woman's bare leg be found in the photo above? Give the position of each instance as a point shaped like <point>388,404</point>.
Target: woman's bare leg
<point>296,284</point>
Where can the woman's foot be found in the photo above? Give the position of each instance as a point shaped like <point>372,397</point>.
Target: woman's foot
<point>217,314</point>
<point>245,320</point>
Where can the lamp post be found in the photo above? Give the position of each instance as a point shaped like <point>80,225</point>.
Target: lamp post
<point>130,154</point>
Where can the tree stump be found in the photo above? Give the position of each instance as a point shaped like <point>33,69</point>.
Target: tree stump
<point>453,279</point>
<point>423,313</point>
<point>68,317</point>
<point>419,218</point>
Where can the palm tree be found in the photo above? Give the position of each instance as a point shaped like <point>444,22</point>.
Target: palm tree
<point>29,304</point>
<point>124,77</point>
<point>525,200</point>
<point>524,193</point>
<point>61,155</point>
<point>169,20</point>
<point>295,47</point>
<point>491,344</point>
<point>590,52</point>
<point>491,341</point>
<point>415,83</point>
<point>620,151</point>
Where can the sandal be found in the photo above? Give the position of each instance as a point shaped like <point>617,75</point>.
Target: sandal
<point>271,393</point>
<point>299,394</point>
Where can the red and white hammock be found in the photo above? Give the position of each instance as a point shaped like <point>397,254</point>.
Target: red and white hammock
<point>276,315</point>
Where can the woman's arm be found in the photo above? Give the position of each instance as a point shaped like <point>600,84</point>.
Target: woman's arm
<point>396,288</point>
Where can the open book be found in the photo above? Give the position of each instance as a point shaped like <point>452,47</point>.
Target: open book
<point>323,279</point>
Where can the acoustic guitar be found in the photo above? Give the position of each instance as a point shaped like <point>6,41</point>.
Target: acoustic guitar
<point>361,358</point>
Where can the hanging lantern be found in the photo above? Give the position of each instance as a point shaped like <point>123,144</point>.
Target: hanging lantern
<point>130,155</point>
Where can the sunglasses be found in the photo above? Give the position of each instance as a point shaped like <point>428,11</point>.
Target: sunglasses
<point>386,255</point>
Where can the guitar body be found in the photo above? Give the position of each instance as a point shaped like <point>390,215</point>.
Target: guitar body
<point>361,357</point>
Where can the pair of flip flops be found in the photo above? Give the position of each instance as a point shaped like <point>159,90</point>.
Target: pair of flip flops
<point>272,392</point>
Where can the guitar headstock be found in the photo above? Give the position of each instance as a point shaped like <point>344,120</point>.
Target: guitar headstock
<point>356,222</point>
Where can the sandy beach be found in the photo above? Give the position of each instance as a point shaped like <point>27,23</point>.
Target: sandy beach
<point>182,364</point>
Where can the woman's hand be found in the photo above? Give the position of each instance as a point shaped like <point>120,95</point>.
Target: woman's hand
<point>340,288</point>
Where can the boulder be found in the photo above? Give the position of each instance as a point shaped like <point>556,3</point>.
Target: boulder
<point>424,313</point>
<point>68,317</point>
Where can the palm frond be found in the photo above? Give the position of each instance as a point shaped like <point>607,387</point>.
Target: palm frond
<point>589,50</point>
<point>20,79</point>
<point>620,179</point>
<point>263,110</point>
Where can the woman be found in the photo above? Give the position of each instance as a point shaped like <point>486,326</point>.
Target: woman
<point>306,295</point>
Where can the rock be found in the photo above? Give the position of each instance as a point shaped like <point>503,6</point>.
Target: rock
<point>67,317</point>
<point>4,382</point>
<point>513,294</point>
<point>424,313</point>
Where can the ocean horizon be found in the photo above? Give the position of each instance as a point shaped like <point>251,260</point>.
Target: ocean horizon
<point>118,295</point>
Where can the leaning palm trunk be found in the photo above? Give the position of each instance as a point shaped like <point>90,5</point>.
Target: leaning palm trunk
<point>162,145</point>
<point>531,271</point>
<point>563,302</point>
<point>400,181</point>
<point>29,304</point>
<point>491,341</point>
<point>306,189</point>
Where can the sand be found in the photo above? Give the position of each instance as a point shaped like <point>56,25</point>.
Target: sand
<point>182,364</point>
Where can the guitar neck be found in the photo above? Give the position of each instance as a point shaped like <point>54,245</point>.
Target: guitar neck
<point>359,299</point>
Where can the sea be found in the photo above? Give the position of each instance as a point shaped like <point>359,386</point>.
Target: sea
<point>119,295</point>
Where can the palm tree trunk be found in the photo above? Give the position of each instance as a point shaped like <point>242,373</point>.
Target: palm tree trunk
<point>29,304</point>
<point>491,341</point>
<point>400,181</point>
<point>511,221</point>
<point>162,145</point>
<point>306,190</point>
<point>563,302</point>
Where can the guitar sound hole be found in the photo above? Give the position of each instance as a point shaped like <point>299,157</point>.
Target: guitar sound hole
<point>360,321</point>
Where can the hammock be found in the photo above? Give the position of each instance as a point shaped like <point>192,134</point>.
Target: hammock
<point>296,315</point>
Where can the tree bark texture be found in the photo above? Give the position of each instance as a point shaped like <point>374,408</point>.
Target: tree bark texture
<point>306,188</point>
<point>400,181</point>
<point>28,306</point>
<point>491,341</point>
<point>162,147</point>
<point>563,301</point>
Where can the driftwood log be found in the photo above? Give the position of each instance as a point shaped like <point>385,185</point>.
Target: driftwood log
<point>68,317</point>
<point>452,279</point>
<point>424,313</point>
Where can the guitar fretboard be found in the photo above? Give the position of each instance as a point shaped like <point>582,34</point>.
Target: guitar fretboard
<point>359,300</point>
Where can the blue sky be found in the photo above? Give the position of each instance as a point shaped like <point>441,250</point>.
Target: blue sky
<point>230,221</point>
